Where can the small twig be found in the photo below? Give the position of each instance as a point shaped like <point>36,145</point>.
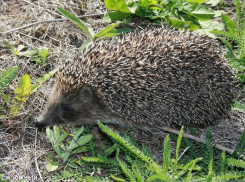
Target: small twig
<point>199,140</point>
<point>36,157</point>
<point>12,126</point>
<point>183,153</point>
<point>49,21</point>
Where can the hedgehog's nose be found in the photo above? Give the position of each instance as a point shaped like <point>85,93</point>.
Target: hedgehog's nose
<point>39,124</point>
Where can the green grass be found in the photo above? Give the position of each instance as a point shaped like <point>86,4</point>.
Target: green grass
<point>125,160</point>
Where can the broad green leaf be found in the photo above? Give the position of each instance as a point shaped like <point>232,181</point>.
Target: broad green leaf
<point>26,53</point>
<point>66,155</point>
<point>78,133</point>
<point>24,88</point>
<point>35,87</point>
<point>104,31</point>
<point>117,32</point>
<point>128,19</point>
<point>80,150</point>
<point>37,55</point>
<point>73,165</point>
<point>46,76</point>
<point>56,132</point>
<point>180,24</point>
<point>132,6</point>
<point>43,55</point>
<point>149,3</point>
<point>52,166</point>
<point>187,18</point>
<point>213,2</point>
<point>117,5</point>
<point>15,107</point>
<point>86,44</point>
<point>49,133</point>
<point>63,137</point>
<point>230,26</point>
<point>114,16</point>
<point>81,141</point>
<point>75,20</point>
<point>211,24</point>
<point>7,76</point>
<point>218,13</point>
<point>200,11</point>
<point>75,138</point>
<point>206,31</point>
<point>84,139</point>
<point>53,141</point>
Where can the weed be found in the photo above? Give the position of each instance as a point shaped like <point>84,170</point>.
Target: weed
<point>109,31</point>
<point>179,14</point>
<point>126,161</point>
<point>76,146</point>
<point>22,92</point>
<point>234,33</point>
<point>37,55</point>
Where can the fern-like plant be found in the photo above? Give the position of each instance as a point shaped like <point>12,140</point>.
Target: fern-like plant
<point>127,161</point>
<point>235,32</point>
<point>109,31</point>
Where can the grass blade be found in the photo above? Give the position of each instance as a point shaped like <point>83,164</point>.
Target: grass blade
<point>105,31</point>
<point>75,20</point>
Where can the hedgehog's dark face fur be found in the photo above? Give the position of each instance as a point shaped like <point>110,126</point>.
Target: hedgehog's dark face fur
<point>63,108</point>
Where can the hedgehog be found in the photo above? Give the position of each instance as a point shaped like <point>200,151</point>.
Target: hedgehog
<point>145,79</point>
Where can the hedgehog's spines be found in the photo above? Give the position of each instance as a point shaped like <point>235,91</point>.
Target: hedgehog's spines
<point>155,76</point>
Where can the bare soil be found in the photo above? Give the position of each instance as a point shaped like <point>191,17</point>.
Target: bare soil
<point>19,155</point>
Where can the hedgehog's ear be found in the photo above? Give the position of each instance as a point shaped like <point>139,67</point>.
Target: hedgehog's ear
<point>86,94</point>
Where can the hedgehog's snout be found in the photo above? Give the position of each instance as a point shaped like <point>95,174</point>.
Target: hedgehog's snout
<point>40,124</point>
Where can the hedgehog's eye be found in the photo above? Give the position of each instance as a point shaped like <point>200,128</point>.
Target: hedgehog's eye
<point>66,108</point>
